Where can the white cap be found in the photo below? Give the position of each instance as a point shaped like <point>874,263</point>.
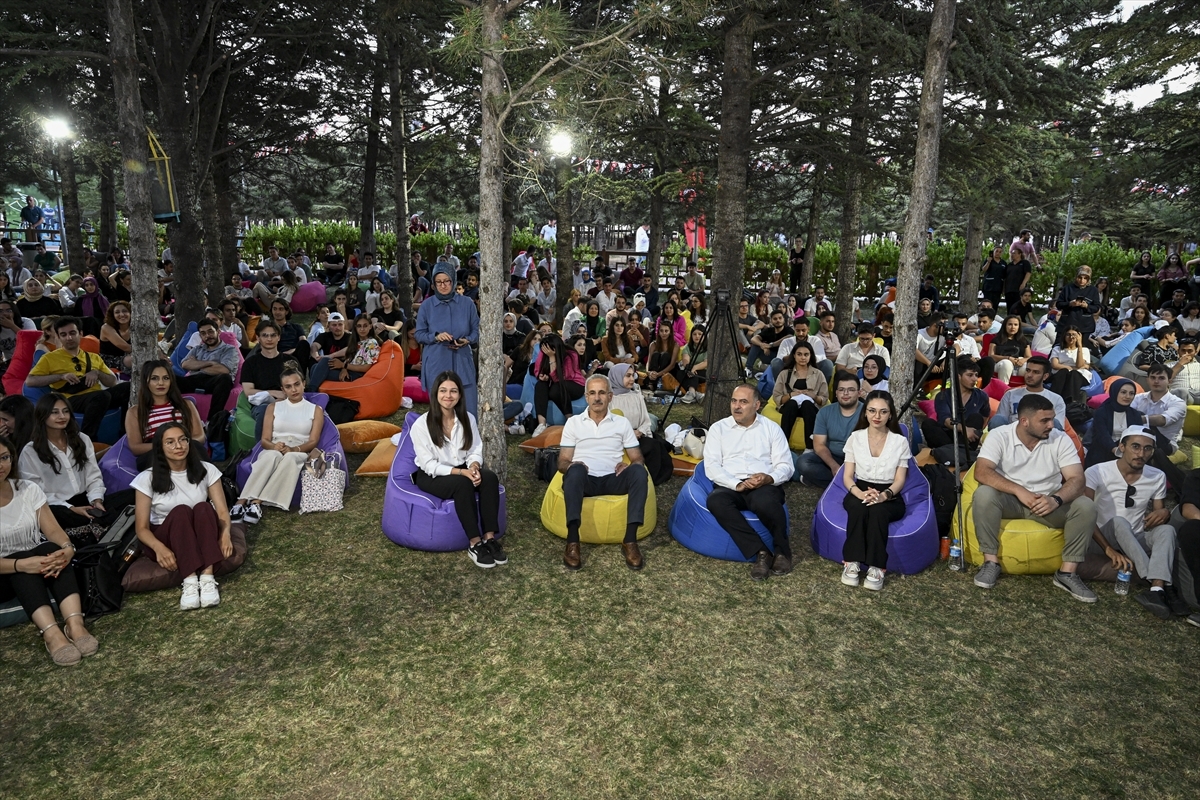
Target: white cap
<point>1137,430</point>
<point>336,317</point>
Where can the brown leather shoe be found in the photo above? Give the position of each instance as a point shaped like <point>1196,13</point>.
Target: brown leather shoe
<point>782,565</point>
<point>762,566</point>
<point>571,558</point>
<point>633,556</point>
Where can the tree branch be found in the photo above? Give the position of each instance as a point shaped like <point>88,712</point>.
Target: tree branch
<point>77,54</point>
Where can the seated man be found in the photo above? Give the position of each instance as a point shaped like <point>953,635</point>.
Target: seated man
<point>1185,375</point>
<point>1028,470</point>
<point>851,356</point>
<point>211,366</point>
<point>1037,370</point>
<point>90,387</point>
<point>974,406</point>
<point>835,423</point>
<point>746,457</point>
<point>1164,413</point>
<point>1131,521</point>
<point>334,264</point>
<point>590,460</point>
<point>800,334</point>
<point>1162,352</point>
<point>262,374</point>
<point>1187,526</point>
<point>765,343</point>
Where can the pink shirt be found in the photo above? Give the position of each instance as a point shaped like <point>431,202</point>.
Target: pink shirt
<point>568,370</point>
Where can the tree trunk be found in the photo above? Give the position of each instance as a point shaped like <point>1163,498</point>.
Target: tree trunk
<point>399,142</point>
<point>564,279</point>
<point>847,277</point>
<point>493,285</point>
<point>366,238</point>
<point>813,232</point>
<point>72,220</point>
<point>968,288</point>
<point>227,232</point>
<point>214,260</point>
<point>508,222</point>
<point>729,250</point>
<point>108,207</point>
<point>924,184</point>
<point>135,155</point>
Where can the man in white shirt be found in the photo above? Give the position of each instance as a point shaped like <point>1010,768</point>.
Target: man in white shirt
<point>852,355</point>
<point>1164,413</point>
<point>547,298</point>
<point>1131,520</point>
<point>523,288</point>
<point>606,297</point>
<point>367,268</point>
<point>590,460</point>
<point>1028,470</point>
<point>549,231</point>
<point>520,268</point>
<point>810,305</point>
<point>641,242</point>
<point>548,265</point>
<point>1185,378</point>
<point>746,457</point>
<point>1127,303</point>
<point>1037,370</point>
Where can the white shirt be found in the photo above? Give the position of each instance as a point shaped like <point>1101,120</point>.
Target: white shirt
<point>1012,398</point>
<point>1188,378</point>
<point>881,468</point>
<point>367,273</point>
<point>520,265</point>
<point>546,302</point>
<point>21,530</point>
<point>633,406</point>
<point>734,452</point>
<point>549,232</point>
<point>607,301</point>
<point>71,480</point>
<point>66,298</point>
<point>641,240</point>
<point>1038,470</point>
<point>929,346</point>
<point>434,460</point>
<point>550,265</point>
<point>810,305</point>
<point>599,446</point>
<point>967,346</point>
<point>851,355</point>
<point>274,266</point>
<point>529,292</point>
<point>1170,406</point>
<point>183,493</point>
<point>1111,489</point>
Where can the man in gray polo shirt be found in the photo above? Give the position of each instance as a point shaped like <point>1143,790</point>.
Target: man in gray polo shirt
<point>1028,470</point>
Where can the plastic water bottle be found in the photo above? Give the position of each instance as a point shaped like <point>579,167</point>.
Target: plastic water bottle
<point>956,556</point>
<point>1122,585</point>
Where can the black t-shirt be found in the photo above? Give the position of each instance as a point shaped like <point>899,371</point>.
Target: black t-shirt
<point>291,336</point>
<point>1014,274</point>
<point>329,344</point>
<point>388,317</point>
<point>1021,310</point>
<point>41,307</point>
<point>264,373</point>
<point>333,261</point>
<point>771,338</point>
<point>509,342</point>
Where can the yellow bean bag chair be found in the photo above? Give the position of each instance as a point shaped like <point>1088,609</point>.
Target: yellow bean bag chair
<point>1191,423</point>
<point>1026,547</point>
<point>603,517</point>
<point>772,413</point>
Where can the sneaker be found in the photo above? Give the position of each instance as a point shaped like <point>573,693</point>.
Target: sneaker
<point>516,429</point>
<point>698,397</point>
<point>540,429</point>
<point>237,513</point>
<point>1179,607</point>
<point>874,580</point>
<point>1070,582</point>
<point>481,554</point>
<point>1194,619</point>
<point>850,573</point>
<point>190,599</point>
<point>209,596</point>
<point>1155,603</point>
<point>254,513</point>
<point>498,554</point>
<point>988,574</point>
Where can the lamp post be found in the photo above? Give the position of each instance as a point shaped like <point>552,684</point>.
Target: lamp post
<point>560,147</point>
<point>58,130</point>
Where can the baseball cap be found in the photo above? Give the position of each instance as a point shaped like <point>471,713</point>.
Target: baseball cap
<point>1136,430</point>
<point>337,317</point>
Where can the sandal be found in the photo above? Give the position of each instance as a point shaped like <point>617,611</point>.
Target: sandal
<point>86,645</point>
<point>65,656</point>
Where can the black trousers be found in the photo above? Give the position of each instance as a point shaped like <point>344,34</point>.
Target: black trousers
<point>693,380</point>
<point>632,482</point>
<point>219,386</point>
<point>114,504</point>
<point>561,392</point>
<point>792,412</point>
<point>1188,542</point>
<point>473,504</point>
<point>987,368</point>
<point>94,405</point>
<point>35,591</point>
<point>766,503</point>
<point>936,434</point>
<point>660,362</point>
<point>867,526</point>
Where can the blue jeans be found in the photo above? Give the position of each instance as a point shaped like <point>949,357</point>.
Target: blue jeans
<point>813,470</point>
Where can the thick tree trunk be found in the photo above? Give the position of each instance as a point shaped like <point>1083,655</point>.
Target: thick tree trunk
<point>214,260</point>
<point>108,207</point>
<point>509,222</point>
<point>924,184</point>
<point>135,155</point>
<point>399,142</point>
<point>564,279</point>
<point>847,277</point>
<point>72,218</point>
<point>729,251</point>
<point>227,234</point>
<point>968,287</point>
<point>366,238</point>
<point>812,233</point>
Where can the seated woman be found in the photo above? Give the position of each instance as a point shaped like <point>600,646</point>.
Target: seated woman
<point>679,324</point>
<point>411,349</point>
<point>60,459</point>
<point>1072,363</point>
<point>116,348</point>
<point>800,391</point>
<point>872,376</point>
<point>181,519</point>
<point>693,365</point>
<point>1110,421</point>
<point>622,380</point>
<point>159,401</point>
<point>588,363</point>
<point>49,340</point>
<point>1009,349</point>
<point>559,378</point>
<point>35,563</point>
<point>449,465</point>
<point>320,323</point>
<point>594,324</point>
<point>359,354</point>
<point>974,407</point>
<point>91,307</point>
<point>291,429</point>
<point>387,318</point>
<point>16,420</point>
<point>373,294</point>
<point>617,347</point>
<point>35,303</point>
<point>875,470</point>
<point>662,358</point>
<point>292,342</point>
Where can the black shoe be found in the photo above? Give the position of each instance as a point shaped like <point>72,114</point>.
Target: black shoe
<point>481,554</point>
<point>1177,604</point>
<point>498,554</point>
<point>1155,603</point>
<point>762,566</point>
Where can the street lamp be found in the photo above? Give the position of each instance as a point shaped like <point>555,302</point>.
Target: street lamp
<point>58,130</point>
<point>560,146</point>
<point>560,143</point>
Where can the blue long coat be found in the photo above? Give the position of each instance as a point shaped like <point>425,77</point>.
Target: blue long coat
<point>457,316</point>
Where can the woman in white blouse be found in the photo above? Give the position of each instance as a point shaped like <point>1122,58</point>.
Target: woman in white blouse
<point>181,518</point>
<point>449,465</point>
<point>876,466</point>
<point>35,563</point>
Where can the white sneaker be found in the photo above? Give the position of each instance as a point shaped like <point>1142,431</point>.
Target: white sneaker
<point>237,513</point>
<point>850,573</point>
<point>516,429</point>
<point>874,580</point>
<point>540,429</point>
<point>190,599</point>
<point>209,596</point>
<point>254,513</point>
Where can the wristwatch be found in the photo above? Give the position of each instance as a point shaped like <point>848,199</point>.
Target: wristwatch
<point>1057,499</point>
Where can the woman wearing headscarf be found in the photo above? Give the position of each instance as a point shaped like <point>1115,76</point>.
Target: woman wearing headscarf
<point>1110,421</point>
<point>447,327</point>
<point>622,379</point>
<point>872,376</point>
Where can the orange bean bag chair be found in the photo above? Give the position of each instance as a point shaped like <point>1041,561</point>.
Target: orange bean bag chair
<point>379,391</point>
<point>90,344</point>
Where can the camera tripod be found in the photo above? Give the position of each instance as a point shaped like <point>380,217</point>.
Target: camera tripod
<point>721,317</point>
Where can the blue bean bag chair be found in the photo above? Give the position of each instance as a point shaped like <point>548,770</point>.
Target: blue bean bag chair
<point>1095,385</point>
<point>112,426</point>
<point>695,528</point>
<point>118,466</point>
<point>1112,360</point>
<point>181,349</point>
<point>415,519</point>
<point>912,542</point>
<point>330,442</point>
<point>553,413</point>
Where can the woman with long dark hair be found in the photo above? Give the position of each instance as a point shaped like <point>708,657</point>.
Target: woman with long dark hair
<point>679,327</point>
<point>523,355</point>
<point>116,347</point>
<point>697,312</point>
<point>693,365</point>
<point>181,519</point>
<point>388,318</point>
<point>618,347</point>
<point>1143,272</point>
<point>449,464</point>
<point>1009,349</point>
<point>159,401</point>
<point>559,378</point>
<point>6,287</point>
<point>411,349</point>
<point>800,379</point>
<point>1173,275</point>
<point>876,468</point>
<point>16,420</point>
<point>662,358</point>
<point>1140,316</point>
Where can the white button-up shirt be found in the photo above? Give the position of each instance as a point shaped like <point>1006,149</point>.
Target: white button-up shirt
<point>434,460</point>
<point>1169,406</point>
<point>601,445</point>
<point>70,480</point>
<point>733,452</point>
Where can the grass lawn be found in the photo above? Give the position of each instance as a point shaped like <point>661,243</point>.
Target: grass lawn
<point>341,665</point>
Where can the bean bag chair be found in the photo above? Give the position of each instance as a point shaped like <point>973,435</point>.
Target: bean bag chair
<point>308,297</point>
<point>252,328</point>
<point>553,413</point>
<point>203,401</point>
<point>1127,369</point>
<point>684,466</point>
<point>1095,387</point>
<point>996,388</point>
<point>362,436</point>
<point>796,442</point>
<point>1097,400</point>
<point>1191,423</point>
<point>181,349</point>
<point>418,520</point>
<point>145,575</point>
<point>21,361</point>
<point>379,391</point>
<point>1111,360</point>
<point>912,542</point>
<point>603,519</point>
<point>551,437</point>
<point>118,467</point>
<point>927,408</point>
<point>90,344</point>
<point>241,427</point>
<point>62,277</point>
<point>693,526</point>
<point>414,391</point>
<point>329,442</point>
<point>379,463</point>
<point>13,613</point>
<point>1026,547</point>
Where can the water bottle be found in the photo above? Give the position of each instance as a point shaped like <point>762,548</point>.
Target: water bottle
<point>1122,586</point>
<point>956,556</point>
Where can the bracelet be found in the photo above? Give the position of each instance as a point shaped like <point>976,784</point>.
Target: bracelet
<point>15,568</point>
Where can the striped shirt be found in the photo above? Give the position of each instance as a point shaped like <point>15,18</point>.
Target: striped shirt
<point>160,415</point>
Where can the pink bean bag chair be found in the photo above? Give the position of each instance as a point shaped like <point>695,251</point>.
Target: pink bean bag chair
<point>308,297</point>
<point>414,391</point>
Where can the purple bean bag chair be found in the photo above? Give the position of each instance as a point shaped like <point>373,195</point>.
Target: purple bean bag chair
<point>912,542</point>
<point>419,520</point>
<point>693,526</point>
<point>308,297</point>
<point>330,442</point>
<point>118,466</point>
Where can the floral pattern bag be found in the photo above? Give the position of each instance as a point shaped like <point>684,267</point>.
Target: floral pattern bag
<point>322,482</point>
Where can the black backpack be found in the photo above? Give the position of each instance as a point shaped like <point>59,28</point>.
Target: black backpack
<point>657,455</point>
<point>545,463</point>
<point>341,410</point>
<point>944,493</point>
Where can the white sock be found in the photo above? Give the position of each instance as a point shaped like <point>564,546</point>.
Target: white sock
<point>1156,588</point>
<point>190,579</point>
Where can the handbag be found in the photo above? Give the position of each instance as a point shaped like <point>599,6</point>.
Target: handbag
<point>322,482</point>
<point>545,463</point>
<point>100,590</point>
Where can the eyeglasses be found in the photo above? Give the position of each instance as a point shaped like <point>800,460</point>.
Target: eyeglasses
<point>1130,491</point>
